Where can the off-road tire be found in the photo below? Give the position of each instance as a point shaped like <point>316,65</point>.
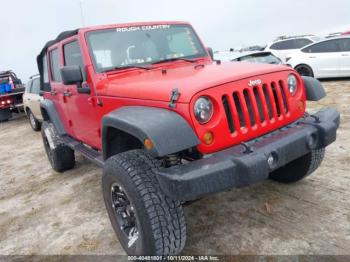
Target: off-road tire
<point>61,157</point>
<point>299,168</point>
<point>304,70</point>
<point>159,219</point>
<point>34,123</point>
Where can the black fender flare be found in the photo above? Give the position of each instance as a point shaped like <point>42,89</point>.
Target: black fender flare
<point>49,112</point>
<point>313,88</point>
<point>167,130</point>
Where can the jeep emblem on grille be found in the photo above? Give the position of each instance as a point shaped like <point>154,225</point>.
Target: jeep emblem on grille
<point>254,82</point>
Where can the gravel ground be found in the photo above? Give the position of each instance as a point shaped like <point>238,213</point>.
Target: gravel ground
<point>42,212</point>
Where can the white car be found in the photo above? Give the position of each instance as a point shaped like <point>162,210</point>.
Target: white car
<point>282,48</point>
<point>31,102</point>
<point>328,58</point>
<point>248,56</point>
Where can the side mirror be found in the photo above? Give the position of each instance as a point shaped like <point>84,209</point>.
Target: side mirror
<point>71,75</point>
<point>211,53</point>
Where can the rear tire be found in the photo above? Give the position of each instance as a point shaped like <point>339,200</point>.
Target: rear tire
<point>61,157</point>
<point>299,168</point>
<point>34,123</point>
<point>156,222</point>
<point>5,114</point>
<point>304,70</point>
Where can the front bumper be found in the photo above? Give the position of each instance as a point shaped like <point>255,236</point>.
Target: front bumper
<point>243,165</point>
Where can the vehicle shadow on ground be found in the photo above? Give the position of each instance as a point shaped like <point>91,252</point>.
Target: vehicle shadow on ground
<point>340,79</point>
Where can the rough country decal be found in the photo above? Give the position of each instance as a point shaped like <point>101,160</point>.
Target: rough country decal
<point>254,82</point>
<point>141,28</point>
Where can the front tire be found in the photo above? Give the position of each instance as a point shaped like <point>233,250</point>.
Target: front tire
<point>299,168</point>
<point>304,70</point>
<point>145,220</point>
<point>34,123</point>
<point>61,157</point>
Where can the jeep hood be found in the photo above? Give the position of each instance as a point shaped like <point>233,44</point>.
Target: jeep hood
<point>189,79</point>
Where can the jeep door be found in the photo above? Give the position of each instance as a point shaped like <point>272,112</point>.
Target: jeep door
<point>56,94</point>
<point>81,107</point>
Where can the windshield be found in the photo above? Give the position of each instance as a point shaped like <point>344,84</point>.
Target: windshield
<point>142,45</point>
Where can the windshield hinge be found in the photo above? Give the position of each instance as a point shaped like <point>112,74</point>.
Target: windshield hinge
<point>173,97</point>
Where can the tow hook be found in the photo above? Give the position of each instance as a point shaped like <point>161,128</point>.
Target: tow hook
<point>247,149</point>
<point>173,97</point>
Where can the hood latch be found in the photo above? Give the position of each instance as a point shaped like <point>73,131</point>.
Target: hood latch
<point>173,97</point>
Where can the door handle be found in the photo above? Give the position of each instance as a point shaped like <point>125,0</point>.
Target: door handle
<point>67,94</point>
<point>345,54</point>
<point>312,56</point>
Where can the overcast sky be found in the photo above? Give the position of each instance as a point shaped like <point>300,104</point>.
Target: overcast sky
<point>27,24</point>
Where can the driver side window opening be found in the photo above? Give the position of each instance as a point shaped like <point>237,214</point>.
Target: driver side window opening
<point>55,66</point>
<point>72,56</point>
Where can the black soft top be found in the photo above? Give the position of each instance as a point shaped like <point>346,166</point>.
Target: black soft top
<point>39,58</point>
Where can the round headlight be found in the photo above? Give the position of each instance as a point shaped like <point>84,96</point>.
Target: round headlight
<point>203,110</point>
<point>292,84</point>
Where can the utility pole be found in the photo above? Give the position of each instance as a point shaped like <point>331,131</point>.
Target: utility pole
<point>82,13</point>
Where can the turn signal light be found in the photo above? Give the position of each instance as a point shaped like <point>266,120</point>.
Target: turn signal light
<point>301,106</point>
<point>148,144</point>
<point>208,138</point>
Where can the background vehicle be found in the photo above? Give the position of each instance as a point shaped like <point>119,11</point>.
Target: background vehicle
<point>252,57</point>
<point>31,102</point>
<point>328,58</point>
<point>146,102</point>
<point>11,91</point>
<point>252,48</point>
<point>287,45</point>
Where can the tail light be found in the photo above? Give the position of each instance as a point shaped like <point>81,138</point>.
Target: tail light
<point>5,102</point>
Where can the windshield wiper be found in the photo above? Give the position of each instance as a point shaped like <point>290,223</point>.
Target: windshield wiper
<point>174,59</point>
<point>125,67</point>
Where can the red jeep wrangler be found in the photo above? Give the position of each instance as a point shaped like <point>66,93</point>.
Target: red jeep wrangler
<point>168,124</point>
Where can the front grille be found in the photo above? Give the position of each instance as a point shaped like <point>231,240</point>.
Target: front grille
<point>255,105</point>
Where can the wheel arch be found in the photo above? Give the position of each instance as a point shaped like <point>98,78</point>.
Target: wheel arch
<point>119,141</point>
<point>313,88</point>
<point>131,125</point>
<point>49,113</point>
<point>44,114</point>
<point>26,109</point>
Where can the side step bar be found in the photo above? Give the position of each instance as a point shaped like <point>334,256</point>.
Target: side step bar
<point>87,152</point>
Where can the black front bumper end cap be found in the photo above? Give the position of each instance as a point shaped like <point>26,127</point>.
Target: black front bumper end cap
<point>236,167</point>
